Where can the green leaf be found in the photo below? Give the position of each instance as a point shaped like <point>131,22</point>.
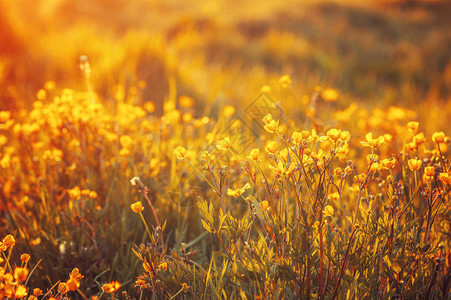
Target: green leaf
<point>206,226</point>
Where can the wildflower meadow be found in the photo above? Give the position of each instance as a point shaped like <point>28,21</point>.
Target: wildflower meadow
<point>225,150</point>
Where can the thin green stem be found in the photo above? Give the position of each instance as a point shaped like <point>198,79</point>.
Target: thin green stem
<point>203,176</point>
<point>173,297</point>
<point>145,224</point>
<point>82,295</point>
<point>7,262</point>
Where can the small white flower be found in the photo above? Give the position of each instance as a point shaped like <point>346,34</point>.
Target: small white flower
<point>135,181</point>
<point>62,248</point>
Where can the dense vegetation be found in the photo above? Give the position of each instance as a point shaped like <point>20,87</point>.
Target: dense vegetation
<point>231,151</point>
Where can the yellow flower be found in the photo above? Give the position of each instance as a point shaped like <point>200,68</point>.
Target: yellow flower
<point>267,119</point>
<point>375,167</point>
<point>314,137</point>
<point>388,137</point>
<point>298,137</point>
<point>334,196</point>
<point>238,192</point>
<point>111,287</point>
<point>20,292</point>
<point>5,115</point>
<point>271,147</point>
<point>285,81</point>
<point>317,156</point>
<point>186,101</point>
<point>283,155</point>
<point>9,241</point>
<point>172,116</point>
<point>345,136</point>
<point>266,89</point>
<point>438,137</point>
<point>224,144</point>
<point>185,287</point>
<point>163,266</point>
<point>126,141</point>
<point>272,126</point>
<point>37,292</point>
<point>264,205</point>
<point>419,139</point>
<point>180,152</point>
<point>25,257</point>
<point>373,143</point>
<point>140,282</point>
<point>338,171</point>
<point>429,171</point>
<point>73,283</point>
<point>445,178</point>
<point>254,154</point>
<point>414,164</point>
<point>187,117</point>
<point>282,170</point>
<point>205,155</point>
<point>411,146</point>
<point>347,170</point>
<point>232,193</point>
<point>137,207</point>
<point>20,274</point>
<point>334,134</point>
<point>74,193</point>
<point>427,178</point>
<point>149,106</point>
<point>359,178</point>
<point>228,111</point>
<point>412,125</point>
<point>328,211</point>
<point>329,95</point>
<point>388,163</point>
<point>3,139</point>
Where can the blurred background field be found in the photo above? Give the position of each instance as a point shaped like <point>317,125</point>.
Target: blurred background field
<point>381,52</point>
<point>128,117</point>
